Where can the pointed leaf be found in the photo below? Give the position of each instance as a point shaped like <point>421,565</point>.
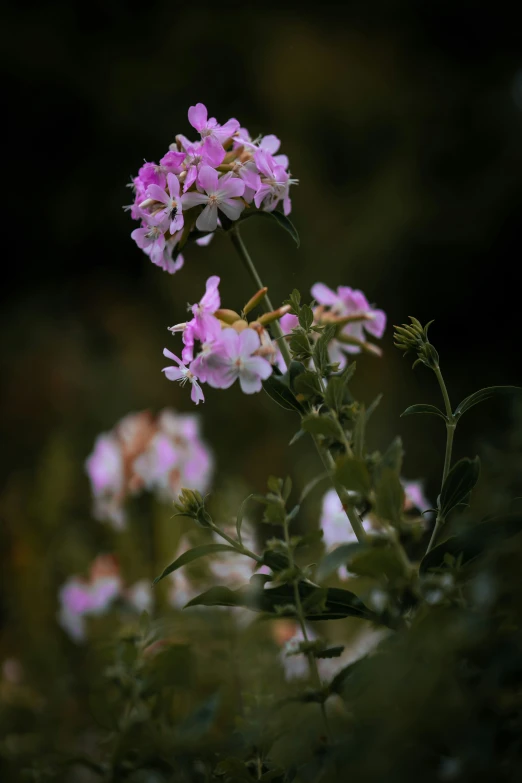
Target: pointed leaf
<point>422,408</point>
<point>191,555</point>
<point>473,542</point>
<point>390,496</point>
<point>299,434</point>
<point>460,481</point>
<point>335,392</point>
<point>353,474</point>
<point>307,384</point>
<point>239,518</point>
<point>359,433</point>
<point>484,394</point>
<point>338,557</point>
<point>278,217</point>
<point>320,425</point>
<point>277,389</point>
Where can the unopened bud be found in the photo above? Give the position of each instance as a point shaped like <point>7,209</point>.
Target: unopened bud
<point>275,315</point>
<point>227,316</point>
<point>255,300</point>
<point>177,328</point>
<point>146,203</point>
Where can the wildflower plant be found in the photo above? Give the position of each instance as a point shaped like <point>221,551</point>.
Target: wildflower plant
<point>376,561</point>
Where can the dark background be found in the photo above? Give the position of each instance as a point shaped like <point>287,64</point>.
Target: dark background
<point>402,122</point>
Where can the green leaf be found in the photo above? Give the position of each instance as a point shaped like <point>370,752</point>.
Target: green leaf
<point>306,317</point>
<point>311,485</point>
<point>320,425</point>
<point>307,384</point>
<point>482,395</point>
<point>278,217</point>
<point>274,484</point>
<point>190,556</point>
<point>338,557</point>
<point>277,389</point>
<point>239,518</point>
<point>287,488</point>
<point>373,406</point>
<point>299,346</point>
<point>335,392</point>
<point>277,561</point>
<point>353,474</point>
<point>422,408</point>
<point>321,356</point>
<point>473,542</point>
<point>392,457</point>
<point>377,562</point>
<point>337,603</point>
<point>390,496</point>
<point>460,481</point>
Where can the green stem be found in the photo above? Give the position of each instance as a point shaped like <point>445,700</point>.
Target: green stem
<point>312,661</point>
<point>326,459</point>
<point>267,305</point>
<point>451,424</point>
<point>242,550</point>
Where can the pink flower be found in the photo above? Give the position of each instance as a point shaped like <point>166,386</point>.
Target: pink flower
<point>233,358</point>
<point>275,183</point>
<point>220,193</point>
<point>210,337</point>
<point>169,260</point>
<point>414,496</point>
<point>172,211</point>
<point>105,470</point>
<point>151,240</point>
<point>172,161</point>
<point>212,134</point>
<point>349,302</point>
<point>183,374</point>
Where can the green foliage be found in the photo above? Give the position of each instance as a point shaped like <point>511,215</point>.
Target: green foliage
<point>482,395</point>
<point>275,216</point>
<point>191,555</point>
<point>422,408</point>
<point>460,481</point>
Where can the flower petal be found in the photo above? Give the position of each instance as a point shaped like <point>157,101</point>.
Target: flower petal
<point>208,179</point>
<point>230,187</point>
<point>207,221</point>
<point>324,295</point>
<point>248,342</point>
<point>231,207</point>
<point>192,199</point>
<point>173,183</point>
<point>197,116</point>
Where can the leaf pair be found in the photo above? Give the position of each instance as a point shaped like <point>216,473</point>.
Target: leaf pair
<point>466,404</point>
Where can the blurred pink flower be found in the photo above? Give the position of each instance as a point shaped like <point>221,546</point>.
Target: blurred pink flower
<point>234,357</point>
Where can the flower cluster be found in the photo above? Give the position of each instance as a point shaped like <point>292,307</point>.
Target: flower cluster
<point>143,452</point>
<point>354,318</point>
<point>220,347</point>
<point>81,598</point>
<point>198,182</point>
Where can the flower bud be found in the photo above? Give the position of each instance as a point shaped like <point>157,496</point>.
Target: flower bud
<point>255,300</point>
<point>275,315</point>
<point>227,316</point>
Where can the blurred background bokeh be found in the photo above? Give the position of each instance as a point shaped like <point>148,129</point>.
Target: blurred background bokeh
<point>402,122</point>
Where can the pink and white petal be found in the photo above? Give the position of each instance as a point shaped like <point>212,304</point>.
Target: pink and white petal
<point>287,205</point>
<point>196,395</point>
<point>377,325</point>
<point>192,174</point>
<point>232,208</point>
<point>140,237</point>
<point>192,199</point>
<point>227,130</point>
<point>177,223</point>
<point>204,241</point>
<point>324,295</point>
<point>210,300</point>
<point>282,160</point>
<point>173,185</point>
<point>264,163</point>
<point>208,179</point>
<point>248,342</point>
<point>172,373</point>
<point>270,144</point>
<point>288,322</point>
<point>232,187</point>
<point>175,266</point>
<point>249,381</point>
<point>197,116</point>
<point>157,193</point>
<point>207,221</point>
<point>261,194</point>
<point>259,366</point>
<point>213,151</point>
<point>229,344</point>
<point>221,375</point>
<point>169,355</point>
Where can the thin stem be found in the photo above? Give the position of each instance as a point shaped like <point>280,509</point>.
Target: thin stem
<point>312,661</point>
<point>242,550</point>
<point>267,305</point>
<point>451,424</point>
<point>326,458</point>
